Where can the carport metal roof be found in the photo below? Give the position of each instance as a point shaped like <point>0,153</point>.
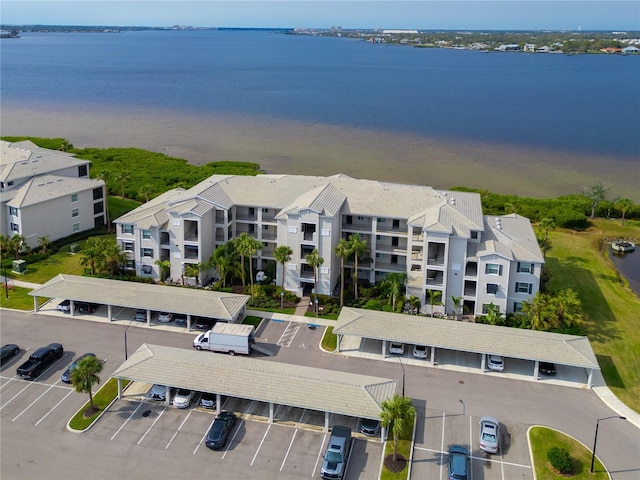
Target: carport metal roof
<point>508,342</point>
<point>254,379</point>
<point>163,298</point>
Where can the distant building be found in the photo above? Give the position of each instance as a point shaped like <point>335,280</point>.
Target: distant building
<point>393,32</point>
<point>47,193</point>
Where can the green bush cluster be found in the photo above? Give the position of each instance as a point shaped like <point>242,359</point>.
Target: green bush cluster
<point>560,459</point>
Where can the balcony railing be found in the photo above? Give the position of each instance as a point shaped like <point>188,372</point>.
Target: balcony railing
<point>269,236</point>
<point>396,267</point>
<point>399,249</point>
<point>246,217</point>
<point>268,218</point>
<point>359,227</point>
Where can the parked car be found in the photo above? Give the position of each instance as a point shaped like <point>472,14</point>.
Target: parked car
<point>396,348</point>
<point>369,427</point>
<point>489,434</point>
<point>495,363</point>
<point>141,315</point>
<point>8,352</point>
<point>208,400</point>
<point>181,320</point>
<point>458,463</point>
<point>219,431</point>
<point>203,323</point>
<point>64,306</point>
<point>420,351</point>
<point>87,307</point>
<point>183,398</point>
<point>158,392</point>
<point>548,368</point>
<point>66,376</point>
<point>165,317</point>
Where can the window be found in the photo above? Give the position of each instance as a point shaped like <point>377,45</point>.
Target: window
<point>360,218</point>
<point>522,287</point>
<point>525,267</point>
<point>126,228</point>
<point>265,210</point>
<point>74,197</point>
<point>82,171</point>
<point>127,246</point>
<point>493,269</point>
<point>9,184</point>
<point>74,212</point>
<point>130,264</point>
<point>98,193</point>
<point>98,207</point>
<point>394,242</point>
<point>517,306</point>
<point>76,227</point>
<point>146,269</point>
<point>146,252</point>
<point>146,234</point>
<point>98,221</point>
<point>265,227</point>
<point>15,228</point>
<point>378,237</point>
<point>13,211</point>
<point>380,220</point>
<point>492,288</point>
<point>474,235</point>
<point>349,220</point>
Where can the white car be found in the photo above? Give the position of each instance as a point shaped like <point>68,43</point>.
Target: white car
<point>208,400</point>
<point>158,392</point>
<point>396,348</point>
<point>165,317</point>
<point>183,398</point>
<point>420,351</point>
<point>489,434</point>
<point>495,363</point>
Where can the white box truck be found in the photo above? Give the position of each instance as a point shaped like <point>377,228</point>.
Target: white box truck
<point>229,338</point>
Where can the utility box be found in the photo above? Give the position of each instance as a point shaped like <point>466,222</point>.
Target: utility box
<point>19,266</point>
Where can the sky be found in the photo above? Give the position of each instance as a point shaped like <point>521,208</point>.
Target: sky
<point>367,14</point>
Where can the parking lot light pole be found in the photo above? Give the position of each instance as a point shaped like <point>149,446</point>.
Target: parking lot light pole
<point>595,440</point>
<point>126,356</point>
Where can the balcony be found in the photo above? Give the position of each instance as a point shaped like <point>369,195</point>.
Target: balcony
<point>471,269</point>
<point>394,267</point>
<point>435,278</point>
<point>190,231</point>
<point>356,227</point>
<point>393,249</point>
<point>417,256</point>
<point>247,217</point>
<point>164,238</point>
<point>269,236</point>
<point>268,217</point>
<point>469,289</point>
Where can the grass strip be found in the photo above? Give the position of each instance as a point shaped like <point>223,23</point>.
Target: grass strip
<point>102,399</point>
<point>404,449</point>
<point>329,340</point>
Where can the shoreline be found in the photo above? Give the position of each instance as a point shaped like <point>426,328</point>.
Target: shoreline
<point>282,146</point>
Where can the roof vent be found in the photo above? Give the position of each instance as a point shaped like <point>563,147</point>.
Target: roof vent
<point>453,201</point>
<point>499,224</point>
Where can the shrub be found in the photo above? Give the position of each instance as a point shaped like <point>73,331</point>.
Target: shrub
<point>560,459</point>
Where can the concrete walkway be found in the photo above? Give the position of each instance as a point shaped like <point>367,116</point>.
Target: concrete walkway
<point>351,347</point>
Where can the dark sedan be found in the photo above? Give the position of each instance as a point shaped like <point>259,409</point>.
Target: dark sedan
<point>66,376</point>
<point>8,352</point>
<point>547,368</point>
<point>219,431</point>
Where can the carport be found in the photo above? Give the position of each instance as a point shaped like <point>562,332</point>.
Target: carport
<point>248,378</point>
<point>227,307</point>
<point>569,350</point>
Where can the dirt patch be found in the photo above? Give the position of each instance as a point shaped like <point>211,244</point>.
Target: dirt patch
<point>396,465</point>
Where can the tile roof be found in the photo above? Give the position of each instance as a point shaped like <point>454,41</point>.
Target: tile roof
<point>48,187</point>
<point>261,380</point>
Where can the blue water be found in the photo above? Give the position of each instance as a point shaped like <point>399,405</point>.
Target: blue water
<point>578,104</point>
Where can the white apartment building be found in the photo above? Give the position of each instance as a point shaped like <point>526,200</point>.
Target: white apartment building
<point>47,193</point>
<point>440,239</point>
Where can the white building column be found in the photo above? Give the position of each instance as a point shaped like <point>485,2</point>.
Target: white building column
<point>35,302</point>
<point>339,339</point>
<point>590,379</point>
<point>433,355</point>
<point>536,370</point>
<point>271,412</point>
<point>167,393</point>
<point>326,421</point>
<point>218,403</point>
<point>384,348</point>
<point>148,318</point>
<point>119,389</point>
<point>110,312</point>
<point>483,363</point>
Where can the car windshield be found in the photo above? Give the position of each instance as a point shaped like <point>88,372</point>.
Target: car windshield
<point>333,457</point>
<point>183,393</point>
<point>489,437</point>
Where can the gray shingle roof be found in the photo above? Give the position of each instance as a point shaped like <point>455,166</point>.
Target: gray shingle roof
<point>163,298</point>
<point>48,187</point>
<point>256,379</point>
<point>468,337</point>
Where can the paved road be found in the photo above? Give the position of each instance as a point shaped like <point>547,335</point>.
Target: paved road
<point>30,449</point>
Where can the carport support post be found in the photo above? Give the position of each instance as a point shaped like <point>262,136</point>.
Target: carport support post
<point>590,379</point>
<point>109,313</point>
<point>339,339</point>
<point>218,403</point>
<point>188,322</point>
<point>167,398</point>
<point>119,389</point>
<point>536,370</point>
<point>270,412</point>
<point>384,348</point>
<point>433,355</point>
<point>35,300</point>
<point>326,421</point>
<point>483,362</point>
<point>148,318</point>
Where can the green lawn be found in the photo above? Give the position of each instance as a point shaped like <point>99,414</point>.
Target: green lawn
<point>19,298</point>
<point>404,449</point>
<point>611,309</point>
<point>101,399</point>
<point>542,439</point>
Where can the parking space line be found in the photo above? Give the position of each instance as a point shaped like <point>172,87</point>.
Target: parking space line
<point>484,459</point>
<point>260,446</point>
<point>126,421</point>
<point>32,403</point>
<point>471,444</point>
<point>204,436</point>
<point>13,398</point>
<point>295,432</point>
<point>444,415</point>
<point>232,439</point>
<point>154,422</point>
<point>54,407</point>
<point>174,435</point>
<point>315,467</point>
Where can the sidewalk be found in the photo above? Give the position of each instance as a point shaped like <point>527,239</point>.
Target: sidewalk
<point>20,283</point>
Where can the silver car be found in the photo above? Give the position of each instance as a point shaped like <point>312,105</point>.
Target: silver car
<point>495,363</point>
<point>489,434</point>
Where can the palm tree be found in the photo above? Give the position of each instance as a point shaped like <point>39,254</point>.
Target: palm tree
<point>85,376</point>
<point>248,246</point>
<point>434,299</point>
<point>282,254</point>
<point>122,177</point>
<point>342,251</point>
<point>546,224</point>
<point>315,260</point>
<point>192,270</point>
<point>16,245</point>
<point>358,247</point>
<point>225,259</point>
<point>537,312</point>
<point>146,191</point>
<point>163,266</point>
<point>457,303</point>
<point>398,414</point>
<point>493,315</point>
<point>241,247</point>
<point>566,308</point>
<point>91,254</point>
<point>415,304</point>
<point>113,256</point>
<point>392,285</point>
<point>622,205</point>
<point>44,244</point>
